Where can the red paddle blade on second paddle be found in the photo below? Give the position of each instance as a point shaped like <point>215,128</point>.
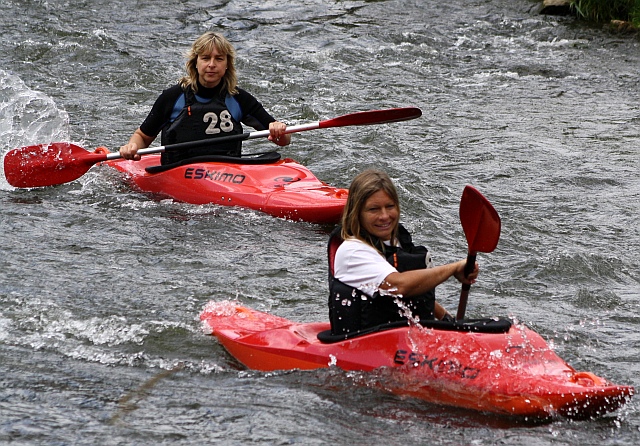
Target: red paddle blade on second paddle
<point>480,221</point>
<point>386,116</point>
<point>48,164</point>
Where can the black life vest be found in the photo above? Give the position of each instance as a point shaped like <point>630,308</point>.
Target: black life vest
<point>351,310</point>
<point>201,120</point>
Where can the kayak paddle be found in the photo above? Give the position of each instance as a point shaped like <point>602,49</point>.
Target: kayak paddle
<point>61,162</point>
<point>481,225</point>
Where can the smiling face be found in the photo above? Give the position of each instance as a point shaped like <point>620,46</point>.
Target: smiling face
<point>379,215</point>
<point>372,211</point>
<point>211,67</point>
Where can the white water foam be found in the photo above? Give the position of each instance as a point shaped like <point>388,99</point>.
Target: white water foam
<point>27,117</point>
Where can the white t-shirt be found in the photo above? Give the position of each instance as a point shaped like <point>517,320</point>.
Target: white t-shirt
<point>360,266</point>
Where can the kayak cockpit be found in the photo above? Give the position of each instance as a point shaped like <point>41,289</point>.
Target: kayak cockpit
<point>258,158</point>
<point>485,325</point>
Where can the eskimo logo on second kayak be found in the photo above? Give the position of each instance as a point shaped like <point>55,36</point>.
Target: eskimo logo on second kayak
<point>436,364</point>
<point>191,173</point>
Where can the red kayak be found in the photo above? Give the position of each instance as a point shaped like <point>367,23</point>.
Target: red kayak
<point>279,187</point>
<point>282,188</point>
<point>488,365</point>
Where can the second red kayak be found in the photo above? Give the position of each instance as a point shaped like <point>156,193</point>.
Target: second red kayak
<point>488,365</point>
<point>279,187</point>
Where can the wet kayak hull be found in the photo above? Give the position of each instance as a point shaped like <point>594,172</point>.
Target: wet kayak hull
<point>513,373</point>
<point>284,188</point>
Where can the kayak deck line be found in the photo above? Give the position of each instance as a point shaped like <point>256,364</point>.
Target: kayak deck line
<point>512,373</point>
<point>281,188</point>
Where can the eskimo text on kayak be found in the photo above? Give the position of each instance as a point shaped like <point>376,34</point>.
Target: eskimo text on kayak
<point>436,364</point>
<point>192,173</point>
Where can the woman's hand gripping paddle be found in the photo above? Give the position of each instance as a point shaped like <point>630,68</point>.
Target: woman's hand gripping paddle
<point>61,162</point>
<point>481,225</point>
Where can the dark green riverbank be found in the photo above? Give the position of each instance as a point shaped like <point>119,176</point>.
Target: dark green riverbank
<point>620,14</point>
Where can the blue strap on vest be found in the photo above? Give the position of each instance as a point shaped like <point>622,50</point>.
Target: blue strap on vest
<point>234,107</point>
<point>177,107</point>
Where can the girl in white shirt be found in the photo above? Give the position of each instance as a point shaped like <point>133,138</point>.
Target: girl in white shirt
<point>378,275</point>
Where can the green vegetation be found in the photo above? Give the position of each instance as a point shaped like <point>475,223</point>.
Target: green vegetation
<point>607,10</point>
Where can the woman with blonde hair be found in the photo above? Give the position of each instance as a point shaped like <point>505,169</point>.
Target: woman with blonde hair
<point>376,274</point>
<point>205,103</point>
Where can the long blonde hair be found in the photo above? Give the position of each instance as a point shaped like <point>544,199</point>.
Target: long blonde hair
<point>362,187</point>
<point>205,44</point>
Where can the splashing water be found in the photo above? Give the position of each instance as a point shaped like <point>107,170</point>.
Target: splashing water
<point>28,117</point>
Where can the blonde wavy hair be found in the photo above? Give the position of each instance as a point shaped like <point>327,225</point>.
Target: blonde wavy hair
<point>205,44</point>
<point>362,187</point>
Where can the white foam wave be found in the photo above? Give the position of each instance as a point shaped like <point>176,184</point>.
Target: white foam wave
<point>27,117</point>
<point>112,341</point>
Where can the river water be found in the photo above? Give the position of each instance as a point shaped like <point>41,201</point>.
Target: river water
<point>101,287</point>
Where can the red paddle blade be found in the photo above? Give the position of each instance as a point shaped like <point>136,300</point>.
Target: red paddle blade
<point>48,164</point>
<point>480,221</point>
<point>373,117</point>
<point>481,225</point>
